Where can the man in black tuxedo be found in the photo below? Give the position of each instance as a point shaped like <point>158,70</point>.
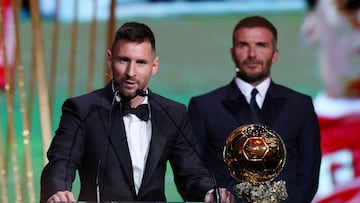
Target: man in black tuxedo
<point>216,114</point>
<point>121,155</point>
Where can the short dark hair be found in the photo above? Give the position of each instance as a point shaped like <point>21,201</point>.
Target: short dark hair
<point>255,21</point>
<point>134,32</point>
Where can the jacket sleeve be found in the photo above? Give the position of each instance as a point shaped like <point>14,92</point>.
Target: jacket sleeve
<point>307,177</point>
<point>64,154</point>
<point>191,176</point>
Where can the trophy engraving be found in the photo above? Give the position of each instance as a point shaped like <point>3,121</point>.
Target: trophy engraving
<point>255,154</point>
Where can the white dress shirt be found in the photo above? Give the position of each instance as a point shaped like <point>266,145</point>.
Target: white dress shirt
<point>138,134</point>
<point>246,89</point>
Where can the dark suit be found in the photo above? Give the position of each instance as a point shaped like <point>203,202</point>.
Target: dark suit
<point>84,137</point>
<point>216,114</point>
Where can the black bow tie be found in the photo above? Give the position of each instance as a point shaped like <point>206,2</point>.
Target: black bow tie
<point>142,111</point>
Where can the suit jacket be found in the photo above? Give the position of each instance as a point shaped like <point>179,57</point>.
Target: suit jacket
<point>216,114</point>
<point>91,139</point>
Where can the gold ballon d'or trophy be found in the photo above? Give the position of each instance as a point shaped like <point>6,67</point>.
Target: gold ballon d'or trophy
<point>255,154</point>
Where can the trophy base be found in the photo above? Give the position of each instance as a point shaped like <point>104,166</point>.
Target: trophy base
<point>265,192</point>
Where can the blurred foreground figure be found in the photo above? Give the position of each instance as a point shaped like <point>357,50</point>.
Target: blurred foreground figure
<point>9,41</point>
<point>334,26</point>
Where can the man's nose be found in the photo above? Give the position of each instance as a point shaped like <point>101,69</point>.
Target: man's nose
<point>252,52</point>
<point>131,69</point>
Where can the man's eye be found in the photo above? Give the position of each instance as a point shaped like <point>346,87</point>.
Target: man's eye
<point>262,45</point>
<point>123,60</point>
<point>242,45</point>
<point>141,62</point>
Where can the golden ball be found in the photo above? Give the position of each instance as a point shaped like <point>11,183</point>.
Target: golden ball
<point>254,153</point>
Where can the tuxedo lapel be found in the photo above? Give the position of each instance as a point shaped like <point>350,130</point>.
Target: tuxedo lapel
<point>158,140</point>
<point>115,131</point>
<point>273,104</point>
<point>236,104</point>
<point>119,141</point>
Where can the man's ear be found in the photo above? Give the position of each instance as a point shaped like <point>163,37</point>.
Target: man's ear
<point>155,66</point>
<point>276,56</point>
<point>108,58</point>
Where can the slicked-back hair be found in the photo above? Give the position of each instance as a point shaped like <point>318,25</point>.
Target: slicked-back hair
<point>134,32</point>
<point>256,21</point>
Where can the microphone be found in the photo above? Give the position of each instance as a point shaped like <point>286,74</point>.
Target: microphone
<point>108,133</point>
<point>116,93</point>
<point>141,92</point>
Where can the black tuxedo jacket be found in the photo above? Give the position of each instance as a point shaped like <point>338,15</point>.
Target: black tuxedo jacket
<point>216,114</point>
<point>91,139</point>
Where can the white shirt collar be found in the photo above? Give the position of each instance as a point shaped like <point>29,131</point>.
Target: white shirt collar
<point>246,89</point>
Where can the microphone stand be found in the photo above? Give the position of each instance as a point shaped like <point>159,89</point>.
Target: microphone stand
<point>97,182</point>
<point>142,93</point>
<point>108,133</point>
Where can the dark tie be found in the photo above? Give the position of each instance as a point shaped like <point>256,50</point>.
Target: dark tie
<point>142,111</point>
<point>254,106</point>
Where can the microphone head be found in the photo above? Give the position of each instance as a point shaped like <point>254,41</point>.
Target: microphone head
<point>117,91</point>
<point>141,92</point>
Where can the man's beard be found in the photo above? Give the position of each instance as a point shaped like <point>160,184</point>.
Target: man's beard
<point>252,78</point>
<point>125,95</point>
